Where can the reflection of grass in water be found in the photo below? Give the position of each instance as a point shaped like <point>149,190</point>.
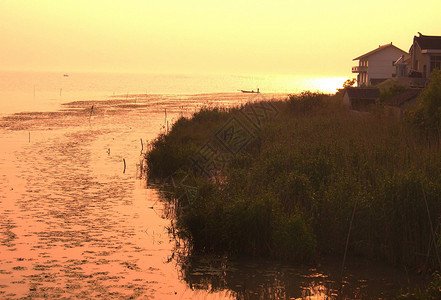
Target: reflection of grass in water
<point>258,280</point>
<point>272,280</point>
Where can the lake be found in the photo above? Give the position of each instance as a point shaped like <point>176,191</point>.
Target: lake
<point>78,219</point>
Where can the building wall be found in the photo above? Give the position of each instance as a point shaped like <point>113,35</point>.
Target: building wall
<point>381,63</point>
<point>412,81</point>
<point>362,79</point>
<point>346,100</point>
<point>401,70</point>
<point>419,60</point>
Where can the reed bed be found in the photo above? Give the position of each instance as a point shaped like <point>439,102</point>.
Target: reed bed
<point>290,193</point>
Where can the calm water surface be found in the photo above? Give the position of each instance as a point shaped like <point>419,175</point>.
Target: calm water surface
<point>45,91</point>
<point>74,223</point>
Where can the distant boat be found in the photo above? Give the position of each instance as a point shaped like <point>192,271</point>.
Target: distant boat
<point>66,75</point>
<point>250,92</point>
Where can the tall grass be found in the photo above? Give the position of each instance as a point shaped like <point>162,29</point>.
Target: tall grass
<point>291,192</point>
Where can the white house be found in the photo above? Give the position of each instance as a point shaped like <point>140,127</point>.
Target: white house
<point>377,65</point>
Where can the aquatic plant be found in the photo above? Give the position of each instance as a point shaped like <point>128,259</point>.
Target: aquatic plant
<point>431,291</point>
<point>291,191</point>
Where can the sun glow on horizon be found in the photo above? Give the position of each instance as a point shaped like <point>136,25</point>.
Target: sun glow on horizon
<point>323,84</point>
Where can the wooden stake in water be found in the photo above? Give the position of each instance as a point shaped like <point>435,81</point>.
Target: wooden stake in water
<point>91,111</point>
<point>29,136</point>
<point>167,128</point>
<point>142,146</point>
<point>124,161</point>
<point>347,243</point>
<point>431,226</point>
<point>165,120</point>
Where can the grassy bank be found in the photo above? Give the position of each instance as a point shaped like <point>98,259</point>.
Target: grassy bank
<point>290,192</point>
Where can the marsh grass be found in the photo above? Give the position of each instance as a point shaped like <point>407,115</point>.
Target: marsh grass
<point>290,194</point>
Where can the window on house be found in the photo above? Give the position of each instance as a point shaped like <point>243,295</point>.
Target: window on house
<point>435,62</point>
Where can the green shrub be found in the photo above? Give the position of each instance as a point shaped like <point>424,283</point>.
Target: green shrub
<point>427,115</point>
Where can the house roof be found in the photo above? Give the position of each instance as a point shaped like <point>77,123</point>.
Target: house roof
<point>380,48</point>
<point>403,59</point>
<point>403,97</point>
<point>363,93</point>
<point>428,41</point>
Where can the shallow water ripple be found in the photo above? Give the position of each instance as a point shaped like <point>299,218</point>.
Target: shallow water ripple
<point>72,224</point>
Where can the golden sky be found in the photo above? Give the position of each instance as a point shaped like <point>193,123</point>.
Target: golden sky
<point>307,38</point>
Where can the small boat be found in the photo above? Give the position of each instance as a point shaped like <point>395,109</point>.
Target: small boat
<point>250,92</point>
<point>66,75</point>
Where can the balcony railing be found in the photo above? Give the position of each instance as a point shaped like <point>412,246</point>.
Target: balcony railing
<point>358,69</point>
